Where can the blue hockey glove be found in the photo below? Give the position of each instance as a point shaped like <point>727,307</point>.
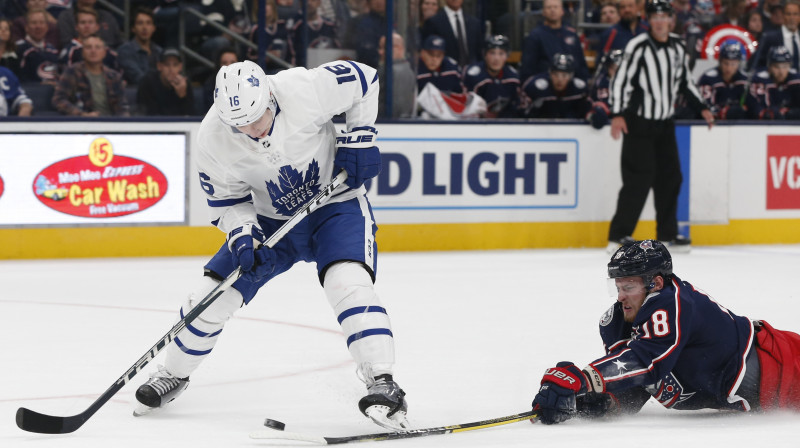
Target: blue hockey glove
<point>357,154</point>
<point>598,117</point>
<point>257,261</point>
<point>556,398</point>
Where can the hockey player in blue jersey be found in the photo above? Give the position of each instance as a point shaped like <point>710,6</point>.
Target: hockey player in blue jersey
<point>666,339</point>
<point>435,67</point>
<point>723,87</point>
<point>14,99</point>
<point>775,92</point>
<point>609,63</point>
<point>494,80</point>
<point>557,93</point>
<point>264,149</point>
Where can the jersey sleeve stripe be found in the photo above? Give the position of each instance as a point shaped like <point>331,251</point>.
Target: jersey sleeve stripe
<point>360,77</point>
<point>229,202</point>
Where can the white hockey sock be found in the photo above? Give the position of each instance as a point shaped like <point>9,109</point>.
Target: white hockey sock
<point>364,321</point>
<point>193,344</point>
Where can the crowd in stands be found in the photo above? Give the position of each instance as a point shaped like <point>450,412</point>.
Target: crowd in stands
<point>69,57</point>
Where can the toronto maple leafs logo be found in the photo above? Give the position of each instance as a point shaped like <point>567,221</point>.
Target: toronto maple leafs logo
<point>253,81</point>
<point>293,189</point>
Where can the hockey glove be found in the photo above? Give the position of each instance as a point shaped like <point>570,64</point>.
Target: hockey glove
<point>556,398</point>
<point>357,154</point>
<point>257,261</point>
<point>732,112</point>
<point>596,404</point>
<point>599,116</point>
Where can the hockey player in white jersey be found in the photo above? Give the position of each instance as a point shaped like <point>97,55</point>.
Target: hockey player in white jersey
<point>264,149</point>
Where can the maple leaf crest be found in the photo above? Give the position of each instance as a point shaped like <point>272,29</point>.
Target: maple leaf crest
<point>293,189</point>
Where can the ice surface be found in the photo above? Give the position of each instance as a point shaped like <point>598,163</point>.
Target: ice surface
<point>474,332</point>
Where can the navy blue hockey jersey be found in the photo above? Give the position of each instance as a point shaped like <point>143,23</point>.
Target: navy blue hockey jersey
<point>718,93</point>
<point>447,79</point>
<point>542,101</point>
<point>684,348</point>
<point>501,93</point>
<point>771,100</point>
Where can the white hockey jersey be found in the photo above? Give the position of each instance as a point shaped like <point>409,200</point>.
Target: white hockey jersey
<point>275,176</point>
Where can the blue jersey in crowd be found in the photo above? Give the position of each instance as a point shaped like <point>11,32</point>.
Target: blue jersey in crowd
<point>683,348</point>
<point>771,100</point>
<point>11,91</point>
<point>447,79</point>
<point>542,101</point>
<point>37,63</point>
<point>720,94</point>
<point>501,93</point>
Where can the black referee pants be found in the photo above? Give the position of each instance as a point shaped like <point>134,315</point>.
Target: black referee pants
<point>649,160</point>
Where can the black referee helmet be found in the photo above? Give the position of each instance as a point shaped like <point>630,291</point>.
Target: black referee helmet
<point>658,6</point>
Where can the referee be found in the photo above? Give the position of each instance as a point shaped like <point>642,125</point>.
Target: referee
<point>654,71</point>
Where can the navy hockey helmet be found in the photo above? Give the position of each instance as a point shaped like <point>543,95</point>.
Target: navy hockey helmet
<point>563,63</point>
<point>645,259</point>
<point>779,54</point>
<point>731,49</point>
<point>497,41</point>
<point>658,6</point>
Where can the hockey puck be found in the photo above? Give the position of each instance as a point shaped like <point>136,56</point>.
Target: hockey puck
<point>274,424</point>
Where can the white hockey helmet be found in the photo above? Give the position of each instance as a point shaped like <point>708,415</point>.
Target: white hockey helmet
<point>242,93</point>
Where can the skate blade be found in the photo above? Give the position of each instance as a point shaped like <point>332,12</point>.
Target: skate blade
<point>397,422</point>
<point>142,410</point>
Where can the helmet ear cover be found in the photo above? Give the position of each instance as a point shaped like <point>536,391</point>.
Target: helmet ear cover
<point>242,93</point>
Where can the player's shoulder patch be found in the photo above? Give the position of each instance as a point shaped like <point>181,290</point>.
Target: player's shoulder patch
<point>451,60</point>
<point>474,70</point>
<point>579,83</point>
<point>541,84</point>
<point>607,317</point>
<point>511,69</point>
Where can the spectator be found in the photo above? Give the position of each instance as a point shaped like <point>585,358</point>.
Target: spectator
<point>288,8</point>
<point>321,33</point>
<point>434,67</point>
<point>556,93</point>
<point>786,36</point>
<point>140,54</point>
<point>225,58</point>
<point>755,24</point>
<point>775,18</point>
<point>109,28</point>
<point>86,26</point>
<point>8,48</point>
<point>733,14</point>
<point>461,33</point>
<point>166,91</point>
<point>629,26</point>
<point>18,27</point>
<point>13,100</point>
<point>599,95</point>
<point>428,9</point>
<point>89,88</point>
<point>609,14</point>
<point>766,10</point>
<point>403,79</point>
<point>723,87</point>
<point>38,59</point>
<point>277,42</point>
<point>494,80</point>
<point>365,31</point>
<point>550,38</point>
<point>776,92</point>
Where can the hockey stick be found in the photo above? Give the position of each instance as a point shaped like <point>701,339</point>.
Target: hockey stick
<point>48,424</point>
<point>412,433</point>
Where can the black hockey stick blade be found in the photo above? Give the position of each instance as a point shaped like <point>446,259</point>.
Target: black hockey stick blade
<point>32,421</point>
<point>411,433</point>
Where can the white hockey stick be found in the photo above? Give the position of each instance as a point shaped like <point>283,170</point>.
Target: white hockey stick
<point>49,424</point>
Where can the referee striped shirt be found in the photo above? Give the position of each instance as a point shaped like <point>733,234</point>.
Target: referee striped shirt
<point>650,78</point>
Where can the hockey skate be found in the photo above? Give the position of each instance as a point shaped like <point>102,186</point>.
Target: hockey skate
<point>161,389</point>
<point>385,404</point>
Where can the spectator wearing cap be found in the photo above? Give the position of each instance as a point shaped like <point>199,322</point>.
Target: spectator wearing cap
<point>166,91</point>
<point>786,36</point>
<point>13,100</point>
<point>556,93</point>
<point>461,33</point>
<point>494,80</point>
<point>434,67</point>
<point>775,92</point>
<point>89,88</point>
<point>550,38</point>
<point>38,60</point>
<point>140,54</point>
